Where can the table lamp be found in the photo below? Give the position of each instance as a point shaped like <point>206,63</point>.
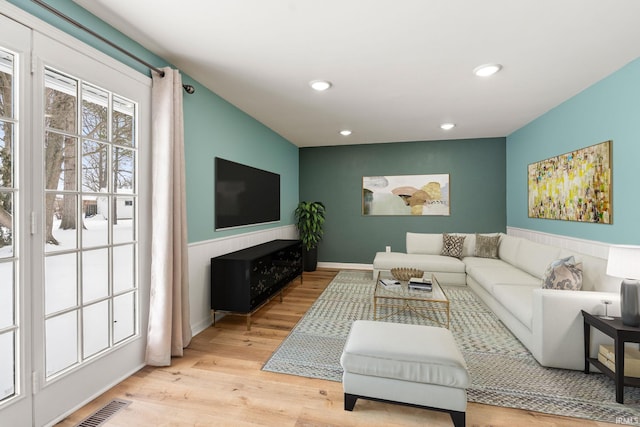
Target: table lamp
<point>624,261</point>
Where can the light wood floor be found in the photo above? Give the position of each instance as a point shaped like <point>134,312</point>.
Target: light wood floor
<point>219,383</point>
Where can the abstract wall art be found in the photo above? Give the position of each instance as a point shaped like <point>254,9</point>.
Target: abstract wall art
<point>574,186</point>
<point>406,195</point>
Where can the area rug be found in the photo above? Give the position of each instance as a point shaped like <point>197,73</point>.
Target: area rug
<point>503,372</point>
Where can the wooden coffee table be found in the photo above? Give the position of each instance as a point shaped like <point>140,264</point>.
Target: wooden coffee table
<point>426,304</point>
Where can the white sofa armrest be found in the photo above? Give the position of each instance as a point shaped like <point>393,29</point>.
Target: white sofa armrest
<point>557,325</point>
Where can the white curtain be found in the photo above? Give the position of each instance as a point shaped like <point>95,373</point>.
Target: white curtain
<point>169,329</point>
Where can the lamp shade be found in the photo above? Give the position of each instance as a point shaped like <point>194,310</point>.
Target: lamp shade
<point>624,262</point>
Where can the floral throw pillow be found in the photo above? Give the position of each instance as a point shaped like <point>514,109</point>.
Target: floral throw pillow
<point>563,274</point>
<point>487,246</point>
<point>452,245</point>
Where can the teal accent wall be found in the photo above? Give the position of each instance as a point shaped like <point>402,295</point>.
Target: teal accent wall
<point>218,129</point>
<point>212,127</point>
<point>333,175</point>
<point>607,110</point>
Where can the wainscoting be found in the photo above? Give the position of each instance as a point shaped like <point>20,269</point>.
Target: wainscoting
<point>200,255</point>
<point>587,247</point>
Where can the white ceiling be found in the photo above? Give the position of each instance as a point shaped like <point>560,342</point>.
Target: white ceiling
<point>399,67</point>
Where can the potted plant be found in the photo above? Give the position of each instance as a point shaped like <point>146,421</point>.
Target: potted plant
<point>310,222</point>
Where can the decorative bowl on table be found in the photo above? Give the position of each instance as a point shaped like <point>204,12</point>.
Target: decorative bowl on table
<point>406,273</point>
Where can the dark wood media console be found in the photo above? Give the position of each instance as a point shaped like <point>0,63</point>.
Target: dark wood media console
<point>245,280</point>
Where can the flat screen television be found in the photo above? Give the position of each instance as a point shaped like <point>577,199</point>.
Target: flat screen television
<point>245,195</point>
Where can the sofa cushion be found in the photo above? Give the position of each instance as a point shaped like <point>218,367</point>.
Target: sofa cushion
<point>534,257</point>
<point>564,274</point>
<point>428,263</point>
<point>472,262</point>
<point>508,249</point>
<point>487,246</point>
<point>489,276</point>
<point>424,243</point>
<point>452,245</point>
<point>518,300</point>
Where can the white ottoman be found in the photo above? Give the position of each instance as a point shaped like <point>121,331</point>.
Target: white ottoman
<point>407,364</point>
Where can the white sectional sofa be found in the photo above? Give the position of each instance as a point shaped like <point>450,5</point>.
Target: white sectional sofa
<point>547,321</point>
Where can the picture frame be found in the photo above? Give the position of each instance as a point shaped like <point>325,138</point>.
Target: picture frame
<point>406,195</point>
<point>574,186</point>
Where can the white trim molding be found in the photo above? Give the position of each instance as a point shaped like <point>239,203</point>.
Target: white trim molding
<point>587,247</point>
<point>345,266</point>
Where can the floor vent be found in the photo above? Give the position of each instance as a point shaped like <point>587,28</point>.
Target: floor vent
<point>102,415</point>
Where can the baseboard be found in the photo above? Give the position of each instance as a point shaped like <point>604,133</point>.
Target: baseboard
<point>345,266</point>
<point>200,326</point>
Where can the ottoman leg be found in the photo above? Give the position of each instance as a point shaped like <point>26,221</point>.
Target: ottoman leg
<point>350,401</point>
<point>458,418</point>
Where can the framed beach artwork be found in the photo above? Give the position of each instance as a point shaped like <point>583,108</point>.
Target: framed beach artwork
<point>406,195</point>
<point>574,186</point>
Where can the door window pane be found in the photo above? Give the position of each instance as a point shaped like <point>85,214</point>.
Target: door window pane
<point>95,175</point>
<point>7,364</point>
<point>94,112</point>
<point>60,101</point>
<point>124,317</point>
<point>123,121</point>
<point>61,222</point>
<point>61,345</point>
<point>95,231</point>
<point>95,274</point>
<point>123,165</point>
<point>95,328</point>
<point>123,275</point>
<point>61,285</point>
<point>7,300</point>
<point>6,224</point>
<point>123,229</point>
<point>60,158</point>
<point>6,84</point>
<point>6,150</point>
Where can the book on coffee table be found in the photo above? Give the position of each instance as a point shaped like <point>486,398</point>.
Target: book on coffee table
<point>390,283</point>
<point>420,283</point>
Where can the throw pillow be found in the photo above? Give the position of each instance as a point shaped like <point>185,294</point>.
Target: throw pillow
<point>487,246</point>
<point>563,274</point>
<point>452,245</point>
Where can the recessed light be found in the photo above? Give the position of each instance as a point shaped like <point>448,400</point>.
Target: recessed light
<point>487,70</point>
<point>447,126</point>
<point>320,85</point>
<point>345,132</point>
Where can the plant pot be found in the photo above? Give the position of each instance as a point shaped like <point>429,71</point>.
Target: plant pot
<point>310,259</point>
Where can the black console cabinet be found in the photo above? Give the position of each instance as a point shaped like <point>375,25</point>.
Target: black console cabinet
<point>242,281</point>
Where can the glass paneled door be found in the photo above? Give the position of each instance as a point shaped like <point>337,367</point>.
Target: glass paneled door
<point>15,361</point>
<point>91,240</point>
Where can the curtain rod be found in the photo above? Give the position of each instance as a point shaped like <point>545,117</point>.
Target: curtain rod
<point>188,88</point>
